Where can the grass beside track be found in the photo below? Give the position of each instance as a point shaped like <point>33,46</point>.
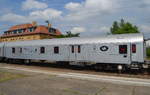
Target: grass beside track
<point>5,76</point>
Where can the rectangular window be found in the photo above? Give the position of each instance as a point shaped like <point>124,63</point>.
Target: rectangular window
<point>123,49</point>
<point>42,50</point>
<point>133,48</point>
<point>52,30</point>
<point>56,50</point>
<point>19,31</point>
<point>20,50</point>
<point>22,30</point>
<point>5,32</point>
<point>72,49</point>
<point>31,29</point>
<point>79,49</point>
<point>13,50</point>
<point>15,32</point>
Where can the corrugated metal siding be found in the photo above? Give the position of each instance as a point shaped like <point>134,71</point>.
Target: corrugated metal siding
<point>82,40</point>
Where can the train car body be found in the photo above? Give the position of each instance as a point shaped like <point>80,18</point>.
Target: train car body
<point>2,51</point>
<point>110,49</point>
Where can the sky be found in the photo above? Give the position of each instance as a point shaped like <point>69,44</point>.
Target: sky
<point>87,17</point>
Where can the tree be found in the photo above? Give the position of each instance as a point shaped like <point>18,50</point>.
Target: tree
<point>68,34</point>
<point>123,27</point>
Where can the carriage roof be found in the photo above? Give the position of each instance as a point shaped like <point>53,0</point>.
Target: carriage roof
<point>121,38</point>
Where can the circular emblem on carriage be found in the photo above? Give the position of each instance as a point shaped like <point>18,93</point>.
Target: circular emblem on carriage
<point>103,48</point>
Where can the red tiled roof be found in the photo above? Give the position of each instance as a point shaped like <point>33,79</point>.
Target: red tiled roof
<point>38,30</point>
<point>42,29</point>
<point>21,26</point>
<point>58,32</point>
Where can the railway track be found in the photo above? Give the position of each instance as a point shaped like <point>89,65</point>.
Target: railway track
<point>82,70</point>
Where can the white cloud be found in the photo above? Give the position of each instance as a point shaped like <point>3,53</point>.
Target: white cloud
<point>46,14</point>
<point>11,17</point>
<point>33,16</point>
<point>146,2</point>
<point>78,30</point>
<point>105,29</point>
<point>90,8</point>
<point>73,6</point>
<point>144,28</point>
<point>100,5</point>
<point>91,14</point>
<point>33,4</point>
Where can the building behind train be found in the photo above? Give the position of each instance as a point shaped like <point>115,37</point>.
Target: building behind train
<point>29,31</point>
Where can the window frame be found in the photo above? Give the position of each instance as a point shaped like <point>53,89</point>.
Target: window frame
<point>56,50</point>
<point>13,50</point>
<point>20,50</point>
<point>42,50</point>
<point>133,48</point>
<point>72,49</point>
<point>123,49</point>
<point>79,49</point>
<point>20,31</point>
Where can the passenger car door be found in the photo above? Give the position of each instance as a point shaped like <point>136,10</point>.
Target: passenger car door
<point>75,51</point>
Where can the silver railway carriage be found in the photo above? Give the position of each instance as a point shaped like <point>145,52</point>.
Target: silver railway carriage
<point>119,50</point>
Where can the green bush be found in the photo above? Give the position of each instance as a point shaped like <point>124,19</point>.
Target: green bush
<point>148,52</point>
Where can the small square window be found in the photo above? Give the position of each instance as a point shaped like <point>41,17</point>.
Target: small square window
<point>123,49</point>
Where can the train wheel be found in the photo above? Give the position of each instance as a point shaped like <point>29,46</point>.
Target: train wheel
<point>98,67</point>
<point>27,61</point>
<point>121,68</point>
<point>10,61</point>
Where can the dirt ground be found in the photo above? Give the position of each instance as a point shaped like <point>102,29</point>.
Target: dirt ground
<point>43,84</point>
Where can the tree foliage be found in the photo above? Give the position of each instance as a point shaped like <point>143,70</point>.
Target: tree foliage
<point>69,34</point>
<point>148,52</point>
<point>123,27</point>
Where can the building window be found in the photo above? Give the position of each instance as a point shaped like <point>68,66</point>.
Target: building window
<point>30,29</point>
<point>19,31</point>
<point>15,32</point>
<point>52,30</point>
<point>56,50</point>
<point>42,49</point>
<point>13,50</point>
<point>123,49</point>
<point>5,32</point>
<point>23,30</point>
